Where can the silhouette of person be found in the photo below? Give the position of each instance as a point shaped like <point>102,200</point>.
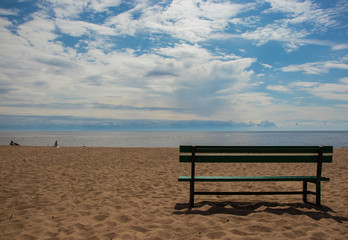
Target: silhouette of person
<point>14,143</point>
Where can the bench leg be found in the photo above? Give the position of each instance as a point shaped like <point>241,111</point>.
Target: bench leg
<point>304,194</point>
<point>318,193</point>
<point>192,193</point>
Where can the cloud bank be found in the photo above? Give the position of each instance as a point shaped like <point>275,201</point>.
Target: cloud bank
<point>191,61</point>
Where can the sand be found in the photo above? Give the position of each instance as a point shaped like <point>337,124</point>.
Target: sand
<point>133,193</point>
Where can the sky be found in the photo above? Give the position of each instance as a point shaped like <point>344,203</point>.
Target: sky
<point>173,65</point>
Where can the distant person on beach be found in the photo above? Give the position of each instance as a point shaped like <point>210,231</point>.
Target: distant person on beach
<point>56,144</point>
<point>12,143</point>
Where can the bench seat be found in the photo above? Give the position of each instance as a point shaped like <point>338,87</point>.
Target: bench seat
<point>250,178</point>
<point>256,154</point>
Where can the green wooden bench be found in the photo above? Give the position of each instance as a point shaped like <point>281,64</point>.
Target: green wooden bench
<point>256,154</point>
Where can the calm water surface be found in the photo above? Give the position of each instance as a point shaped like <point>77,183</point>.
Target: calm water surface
<point>337,139</point>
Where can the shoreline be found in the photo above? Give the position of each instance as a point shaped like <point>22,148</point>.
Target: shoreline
<point>174,139</point>
<point>123,147</point>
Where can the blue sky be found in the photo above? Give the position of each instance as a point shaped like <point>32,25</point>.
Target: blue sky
<point>173,65</point>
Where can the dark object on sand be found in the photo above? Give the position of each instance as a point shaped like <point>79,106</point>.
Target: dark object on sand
<point>56,144</point>
<point>14,143</point>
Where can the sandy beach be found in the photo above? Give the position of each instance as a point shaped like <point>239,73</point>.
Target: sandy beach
<point>133,193</point>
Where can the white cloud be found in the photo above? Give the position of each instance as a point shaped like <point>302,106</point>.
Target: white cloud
<point>254,106</point>
<point>186,80</point>
<point>289,6</point>
<point>193,59</point>
<point>166,77</point>
<point>187,20</point>
<point>67,8</point>
<point>278,88</point>
<point>250,21</point>
<point>274,32</point>
<point>266,65</point>
<point>186,51</point>
<point>198,21</point>
<point>300,20</point>
<point>79,28</point>
<point>102,5</point>
<point>332,91</point>
<point>8,12</point>
<point>245,106</point>
<point>288,113</point>
<point>73,8</point>
<point>315,67</point>
<point>254,98</point>
<point>298,12</point>
<point>339,46</point>
<point>39,32</point>
<point>303,85</point>
<point>4,23</point>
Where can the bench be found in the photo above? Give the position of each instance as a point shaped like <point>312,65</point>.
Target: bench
<point>256,154</point>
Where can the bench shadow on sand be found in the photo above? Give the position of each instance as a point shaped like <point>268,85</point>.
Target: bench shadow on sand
<point>246,208</point>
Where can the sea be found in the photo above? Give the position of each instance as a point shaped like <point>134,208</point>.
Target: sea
<point>338,139</point>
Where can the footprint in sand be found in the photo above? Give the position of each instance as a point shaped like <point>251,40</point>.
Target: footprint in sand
<point>124,218</point>
<point>28,237</point>
<point>241,233</point>
<point>257,228</point>
<point>111,235</point>
<point>81,226</point>
<point>216,235</point>
<point>100,217</point>
<point>139,229</point>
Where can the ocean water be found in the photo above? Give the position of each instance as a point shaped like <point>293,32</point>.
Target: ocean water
<point>338,139</point>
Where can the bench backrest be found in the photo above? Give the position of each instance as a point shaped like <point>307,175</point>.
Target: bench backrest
<point>266,154</point>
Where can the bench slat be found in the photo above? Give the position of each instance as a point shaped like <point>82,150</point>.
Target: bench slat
<point>254,158</point>
<point>250,178</point>
<point>255,149</point>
